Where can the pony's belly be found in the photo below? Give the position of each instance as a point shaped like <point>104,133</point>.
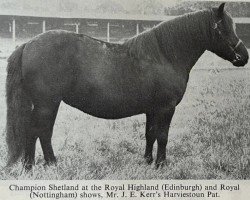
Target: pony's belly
<point>106,108</point>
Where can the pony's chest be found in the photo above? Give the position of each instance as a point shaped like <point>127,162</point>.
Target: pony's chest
<point>171,86</point>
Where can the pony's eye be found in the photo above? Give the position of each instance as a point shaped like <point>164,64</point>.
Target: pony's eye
<point>226,32</point>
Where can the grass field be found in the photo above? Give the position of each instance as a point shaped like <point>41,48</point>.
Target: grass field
<point>209,135</point>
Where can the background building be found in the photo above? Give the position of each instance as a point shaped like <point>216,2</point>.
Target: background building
<point>112,21</point>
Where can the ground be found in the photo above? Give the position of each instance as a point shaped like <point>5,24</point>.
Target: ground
<point>208,139</point>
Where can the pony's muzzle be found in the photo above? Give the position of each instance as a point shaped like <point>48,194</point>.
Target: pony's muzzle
<point>240,61</point>
<point>237,58</point>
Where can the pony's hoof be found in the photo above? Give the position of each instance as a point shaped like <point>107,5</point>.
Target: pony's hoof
<point>50,163</point>
<point>28,168</point>
<point>149,160</point>
<point>160,164</point>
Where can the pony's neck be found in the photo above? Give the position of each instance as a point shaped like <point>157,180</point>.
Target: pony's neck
<point>184,39</point>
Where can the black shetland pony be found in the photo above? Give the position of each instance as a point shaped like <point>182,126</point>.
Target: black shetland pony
<point>146,74</point>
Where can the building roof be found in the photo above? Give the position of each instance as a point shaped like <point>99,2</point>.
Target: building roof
<point>128,17</point>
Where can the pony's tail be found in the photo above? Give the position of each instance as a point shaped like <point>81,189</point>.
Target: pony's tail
<point>18,108</point>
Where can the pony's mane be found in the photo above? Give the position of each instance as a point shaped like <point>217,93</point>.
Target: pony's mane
<point>170,36</point>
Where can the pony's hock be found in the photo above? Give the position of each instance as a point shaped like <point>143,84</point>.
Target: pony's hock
<point>146,74</point>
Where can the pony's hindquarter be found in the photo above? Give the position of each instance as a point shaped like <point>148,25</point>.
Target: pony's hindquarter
<point>18,108</point>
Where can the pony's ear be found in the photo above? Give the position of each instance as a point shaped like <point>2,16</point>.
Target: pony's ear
<point>221,10</point>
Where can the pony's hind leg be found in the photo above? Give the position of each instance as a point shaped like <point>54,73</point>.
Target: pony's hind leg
<point>45,136</point>
<point>29,157</point>
<point>42,123</point>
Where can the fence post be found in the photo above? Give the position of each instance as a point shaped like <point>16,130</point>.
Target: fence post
<point>44,26</point>
<point>14,32</point>
<point>108,34</point>
<point>137,29</point>
<point>77,27</point>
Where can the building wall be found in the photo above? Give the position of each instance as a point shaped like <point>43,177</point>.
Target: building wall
<point>119,30</point>
<point>243,31</point>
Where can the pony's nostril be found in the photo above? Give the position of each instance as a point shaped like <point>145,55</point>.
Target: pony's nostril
<point>237,56</point>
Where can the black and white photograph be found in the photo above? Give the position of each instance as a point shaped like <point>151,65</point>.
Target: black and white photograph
<point>124,90</point>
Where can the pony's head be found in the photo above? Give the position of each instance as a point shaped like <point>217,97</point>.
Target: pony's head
<point>225,42</point>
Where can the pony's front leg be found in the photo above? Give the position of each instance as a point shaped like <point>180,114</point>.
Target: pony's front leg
<point>150,137</point>
<point>162,124</point>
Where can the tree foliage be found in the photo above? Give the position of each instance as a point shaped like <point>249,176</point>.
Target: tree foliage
<point>146,7</point>
<point>237,9</point>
